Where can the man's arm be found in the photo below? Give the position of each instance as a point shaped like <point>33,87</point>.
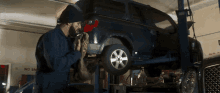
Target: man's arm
<point>53,54</point>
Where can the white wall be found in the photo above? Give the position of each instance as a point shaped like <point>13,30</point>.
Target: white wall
<point>18,48</point>
<point>207,21</point>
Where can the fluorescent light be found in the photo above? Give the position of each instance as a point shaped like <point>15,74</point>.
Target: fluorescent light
<point>28,18</point>
<point>4,84</point>
<point>3,22</point>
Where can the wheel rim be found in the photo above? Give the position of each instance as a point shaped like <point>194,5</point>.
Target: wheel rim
<point>119,59</point>
<point>189,83</point>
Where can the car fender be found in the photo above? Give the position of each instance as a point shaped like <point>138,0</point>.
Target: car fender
<point>121,36</point>
<point>198,48</point>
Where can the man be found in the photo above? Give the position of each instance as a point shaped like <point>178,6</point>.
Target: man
<point>55,53</point>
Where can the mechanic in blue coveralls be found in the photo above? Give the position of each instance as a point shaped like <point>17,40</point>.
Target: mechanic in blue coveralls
<point>55,53</point>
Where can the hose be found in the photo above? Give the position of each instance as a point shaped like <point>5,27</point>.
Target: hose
<point>191,18</point>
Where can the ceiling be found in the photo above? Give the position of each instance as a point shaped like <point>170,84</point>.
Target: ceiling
<point>45,12</point>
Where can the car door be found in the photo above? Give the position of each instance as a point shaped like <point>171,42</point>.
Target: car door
<point>167,36</point>
<point>143,37</point>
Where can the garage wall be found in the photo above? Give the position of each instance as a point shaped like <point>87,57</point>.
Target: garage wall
<point>207,22</point>
<point>18,48</point>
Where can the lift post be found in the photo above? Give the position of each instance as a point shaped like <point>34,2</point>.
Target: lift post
<point>108,83</point>
<point>183,36</point>
<point>219,5</point>
<point>97,72</point>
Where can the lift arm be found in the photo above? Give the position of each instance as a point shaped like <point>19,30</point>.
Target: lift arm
<point>183,36</point>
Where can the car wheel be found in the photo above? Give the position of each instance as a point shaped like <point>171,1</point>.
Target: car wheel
<point>189,83</point>
<point>116,59</point>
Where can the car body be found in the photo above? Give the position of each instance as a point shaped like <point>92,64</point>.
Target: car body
<point>145,32</point>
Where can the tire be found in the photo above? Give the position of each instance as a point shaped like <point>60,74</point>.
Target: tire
<point>190,84</point>
<point>112,51</point>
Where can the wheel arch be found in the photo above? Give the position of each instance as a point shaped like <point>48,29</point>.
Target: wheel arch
<point>118,39</point>
<point>198,48</point>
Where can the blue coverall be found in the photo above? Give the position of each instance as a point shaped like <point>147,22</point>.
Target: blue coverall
<point>56,51</point>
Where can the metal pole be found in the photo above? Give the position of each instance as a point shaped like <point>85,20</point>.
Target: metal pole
<point>109,81</point>
<point>97,79</point>
<point>132,76</point>
<point>219,4</point>
<point>183,37</point>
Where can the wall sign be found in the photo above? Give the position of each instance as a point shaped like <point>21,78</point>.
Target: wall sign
<point>30,69</point>
<point>3,66</point>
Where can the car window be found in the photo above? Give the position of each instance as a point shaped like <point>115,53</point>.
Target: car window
<point>135,13</point>
<point>162,22</point>
<point>147,17</point>
<point>105,7</point>
<point>111,5</point>
<point>164,25</point>
<point>108,8</point>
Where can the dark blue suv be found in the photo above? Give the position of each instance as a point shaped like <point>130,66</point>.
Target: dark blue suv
<point>124,32</point>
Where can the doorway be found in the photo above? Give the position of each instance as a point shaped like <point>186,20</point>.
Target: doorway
<point>4,77</point>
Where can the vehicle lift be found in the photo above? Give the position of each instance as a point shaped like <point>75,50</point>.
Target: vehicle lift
<point>184,51</point>
<point>184,58</point>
